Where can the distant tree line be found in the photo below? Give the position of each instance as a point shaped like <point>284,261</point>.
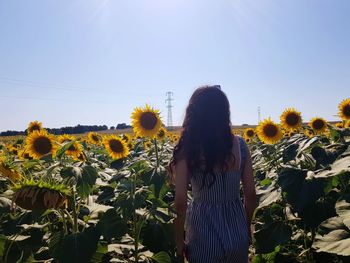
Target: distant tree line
<point>71,130</point>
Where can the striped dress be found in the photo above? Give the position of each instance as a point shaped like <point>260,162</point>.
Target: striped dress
<point>216,225</point>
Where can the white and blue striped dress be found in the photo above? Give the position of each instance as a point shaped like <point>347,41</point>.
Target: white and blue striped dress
<point>216,224</point>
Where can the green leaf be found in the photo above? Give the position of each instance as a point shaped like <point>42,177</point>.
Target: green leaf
<point>86,181</point>
<point>343,209</point>
<point>2,245</point>
<point>5,205</point>
<point>274,234</point>
<point>63,149</point>
<point>112,225</point>
<point>338,167</point>
<point>161,257</point>
<point>335,238</point>
<point>79,247</point>
<point>290,152</point>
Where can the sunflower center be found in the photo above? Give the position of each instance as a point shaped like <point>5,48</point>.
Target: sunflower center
<point>116,146</point>
<point>250,133</point>
<point>318,124</point>
<point>148,120</point>
<point>270,130</point>
<point>346,111</point>
<point>72,148</point>
<point>35,128</point>
<point>42,145</point>
<point>292,119</point>
<point>95,138</point>
<point>161,133</point>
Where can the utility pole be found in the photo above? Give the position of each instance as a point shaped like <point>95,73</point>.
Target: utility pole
<point>169,99</point>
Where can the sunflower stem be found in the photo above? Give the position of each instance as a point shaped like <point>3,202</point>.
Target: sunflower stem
<point>64,221</point>
<point>156,146</point>
<point>135,234</point>
<point>75,215</point>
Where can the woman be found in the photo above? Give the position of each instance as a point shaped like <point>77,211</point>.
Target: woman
<point>214,162</point>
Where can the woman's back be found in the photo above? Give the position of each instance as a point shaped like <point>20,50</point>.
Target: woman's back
<point>216,220</point>
<point>216,225</point>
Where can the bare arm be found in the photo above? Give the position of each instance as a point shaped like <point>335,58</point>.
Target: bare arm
<point>248,187</point>
<point>181,175</point>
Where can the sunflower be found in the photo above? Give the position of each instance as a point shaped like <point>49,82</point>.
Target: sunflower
<point>147,145</point>
<point>116,147</point>
<point>309,133</point>
<point>94,138</point>
<point>248,133</point>
<point>161,133</point>
<point>126,137</point>
<point>65,138</point>
<point>24,155</point>
<point>7,172</point>
<point>146,121</point>
<point>344,109</point>
<point>40,143</point>
<point>248,140</point>
<point>75,150</point>
<point>269,132</point>
<point>12,149</point>
<point>339,125</point>
<point>347,124</point>
<point>32,195</point>
<point>291,119</point>
<point>34,126</point>
<point>319,125</point>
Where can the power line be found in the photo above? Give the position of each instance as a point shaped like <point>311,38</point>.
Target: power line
<point>168,101</point>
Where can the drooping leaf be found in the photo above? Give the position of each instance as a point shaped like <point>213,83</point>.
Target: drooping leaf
<point>161,257</point>
<point>274,234</point>
<point>335,238</point>
<point>340,166</point>
<point>79,247</point>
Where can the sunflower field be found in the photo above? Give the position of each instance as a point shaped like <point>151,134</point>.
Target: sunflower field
<point>108,197</point>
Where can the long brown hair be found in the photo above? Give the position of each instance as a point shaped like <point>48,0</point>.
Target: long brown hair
<point>206,140</point>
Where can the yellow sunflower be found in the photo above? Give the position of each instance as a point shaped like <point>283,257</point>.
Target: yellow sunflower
<point>339,125</point>
<point>161,133</point>
<point>75,150</point>
<point>65,138</point>
<point>291,119</point>
<point>116,147</point>
<point>94,138</point>
<point>248,133</point>
<point>12,149</point>
<point>40,143</point>
<point>347,124</point>
<point>146,121</point>
<point>126,137</point>
<point>319,125</point>
<point>309,133</point>
<point>34,126</point>
<point>269,132</point>
<point>7,172</point>
<point>344,109</point>
<point>248,140</point>
<point>147,145</point>
<point>23,154</point>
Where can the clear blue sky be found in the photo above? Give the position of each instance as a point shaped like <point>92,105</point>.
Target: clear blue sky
<point>92,61</point>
